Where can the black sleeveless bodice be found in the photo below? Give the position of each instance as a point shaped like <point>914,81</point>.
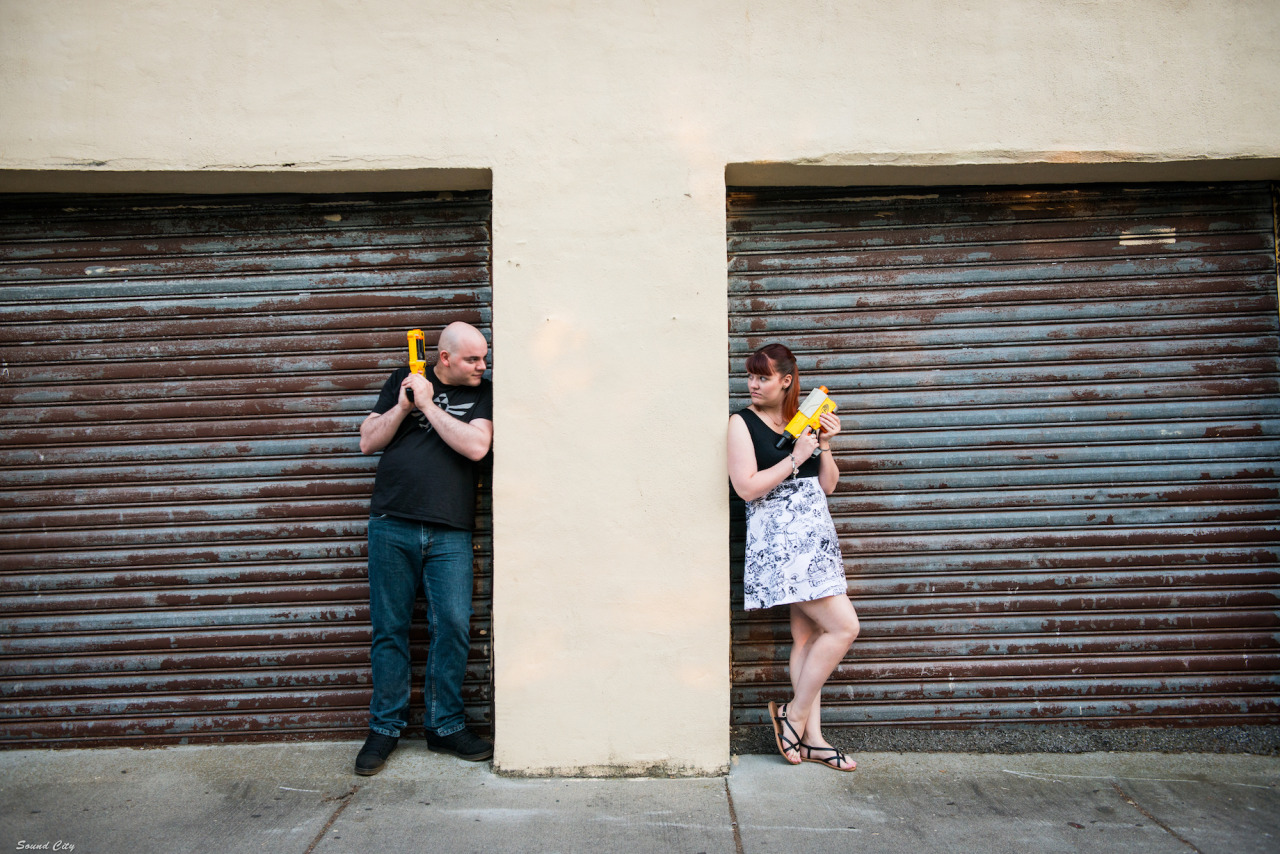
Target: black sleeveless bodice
<point>763,440</point>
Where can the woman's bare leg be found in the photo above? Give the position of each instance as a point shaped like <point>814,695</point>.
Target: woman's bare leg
<point>822,632</point>
<point>803,632</point>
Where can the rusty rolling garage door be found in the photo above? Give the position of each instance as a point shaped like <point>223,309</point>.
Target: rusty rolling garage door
<point>1059,472</point>
<point>184,497</point>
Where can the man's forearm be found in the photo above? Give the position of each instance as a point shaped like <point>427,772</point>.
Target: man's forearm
<point>378,429</point>
<point>471,439</point>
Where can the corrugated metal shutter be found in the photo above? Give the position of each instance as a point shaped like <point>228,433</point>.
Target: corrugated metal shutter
<point>184,497</point>
<point>1059,493</point>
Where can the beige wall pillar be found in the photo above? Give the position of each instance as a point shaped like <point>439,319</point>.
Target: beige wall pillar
<point>612,644</point>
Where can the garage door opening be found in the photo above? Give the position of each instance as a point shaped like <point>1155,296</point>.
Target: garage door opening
<point>1060,493</point>
<point>183,556</point>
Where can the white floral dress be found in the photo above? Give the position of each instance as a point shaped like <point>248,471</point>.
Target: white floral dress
<point>793,551</point>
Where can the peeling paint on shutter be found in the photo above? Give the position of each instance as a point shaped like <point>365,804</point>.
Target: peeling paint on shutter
<point>184,497</point>
<point>1059,494</point>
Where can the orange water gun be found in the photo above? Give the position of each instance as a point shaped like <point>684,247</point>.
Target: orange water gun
<point>417,357</point>
<point>807,415</point>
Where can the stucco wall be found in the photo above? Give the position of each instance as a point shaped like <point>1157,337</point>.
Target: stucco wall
<point>606,130</point>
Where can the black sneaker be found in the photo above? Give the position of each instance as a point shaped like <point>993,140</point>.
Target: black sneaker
<point>371,758</point>
<point>463,744</point>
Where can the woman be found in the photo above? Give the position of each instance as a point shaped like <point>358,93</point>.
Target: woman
<point>793,552</point>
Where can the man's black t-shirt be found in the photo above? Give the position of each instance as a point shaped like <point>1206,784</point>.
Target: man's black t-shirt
<point>419,476</point>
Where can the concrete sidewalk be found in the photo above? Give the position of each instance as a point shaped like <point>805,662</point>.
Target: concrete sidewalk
<point>290,798</point>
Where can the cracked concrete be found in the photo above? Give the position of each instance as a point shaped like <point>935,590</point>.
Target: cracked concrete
<point>304,798</point>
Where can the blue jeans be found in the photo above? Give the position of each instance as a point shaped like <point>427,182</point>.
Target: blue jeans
<point>403,554</point>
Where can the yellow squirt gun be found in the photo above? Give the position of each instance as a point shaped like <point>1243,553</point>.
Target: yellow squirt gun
<point>807,416</point>
<point>417,357</point>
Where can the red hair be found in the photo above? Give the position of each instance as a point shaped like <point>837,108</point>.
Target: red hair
<point>777,359</point>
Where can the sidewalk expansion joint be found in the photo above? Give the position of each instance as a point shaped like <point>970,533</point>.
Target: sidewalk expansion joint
<point>733,819</point>
<point>346,799</point>
<point>1167,829</point>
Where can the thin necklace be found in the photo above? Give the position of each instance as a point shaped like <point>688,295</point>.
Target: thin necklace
<point>776,423</point>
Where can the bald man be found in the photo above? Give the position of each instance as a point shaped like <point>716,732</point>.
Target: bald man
<point>420,523</point>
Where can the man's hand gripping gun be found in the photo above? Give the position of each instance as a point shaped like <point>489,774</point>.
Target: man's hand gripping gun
<point>807,416</point>
<point>417,358</point>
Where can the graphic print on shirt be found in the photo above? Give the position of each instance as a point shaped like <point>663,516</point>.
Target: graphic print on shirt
<point>441,400</point>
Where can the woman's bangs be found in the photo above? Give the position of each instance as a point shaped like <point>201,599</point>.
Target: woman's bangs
<point>760,365</point>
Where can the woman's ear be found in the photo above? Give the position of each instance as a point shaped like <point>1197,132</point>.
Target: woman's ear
<point>786,384</point>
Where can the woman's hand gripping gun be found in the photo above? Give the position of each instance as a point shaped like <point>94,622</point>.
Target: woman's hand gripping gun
<point>807,416</point>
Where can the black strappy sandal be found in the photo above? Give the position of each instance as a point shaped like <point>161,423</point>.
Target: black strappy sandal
<point>779,719</point>
<point>830,761</point>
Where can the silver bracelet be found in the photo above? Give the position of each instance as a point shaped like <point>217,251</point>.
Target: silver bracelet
<point>795,470</point>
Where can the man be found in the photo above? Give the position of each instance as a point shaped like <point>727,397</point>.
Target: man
<point>420,523</point>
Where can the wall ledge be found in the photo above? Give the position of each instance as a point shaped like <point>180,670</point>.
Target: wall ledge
<point>927,171</point>
<point>74,180</point>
